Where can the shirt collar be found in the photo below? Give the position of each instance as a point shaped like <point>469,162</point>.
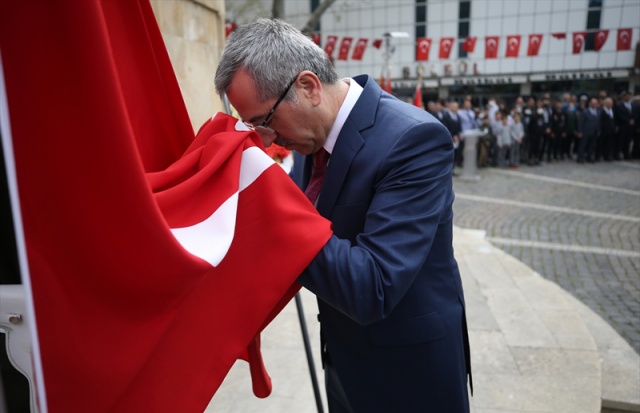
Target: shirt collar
<point>355,90</point>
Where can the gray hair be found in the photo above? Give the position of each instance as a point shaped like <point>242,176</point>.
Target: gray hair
<point>273,52</point>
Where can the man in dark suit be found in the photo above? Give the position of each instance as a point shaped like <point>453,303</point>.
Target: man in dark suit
<point>389,291</point>
<point>589,126</point>
<point>608,135</point>
<point>452,121</point>
<point>626,123</point>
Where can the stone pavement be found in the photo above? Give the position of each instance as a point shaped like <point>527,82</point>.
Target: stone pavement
<point>577,225</point>
<point>534,347</point>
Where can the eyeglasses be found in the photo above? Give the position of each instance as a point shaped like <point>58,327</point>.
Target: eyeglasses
<point>263,127</point>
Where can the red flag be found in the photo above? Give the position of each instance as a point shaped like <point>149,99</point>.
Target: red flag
<point>559,35</point>
<point>358,51</point>
<point>491,47</point>
<point>316,37</point>
<point>130,315</point>
<point>417,97</point>
<point>578,41</point>
<point>469,44</point>
<point>229,27</point>
<point>623,41</point>
<point>331,45</point>
<point>446,44</point>
<point>345,46</point>
<point>600,39</point>
<point>422,48</point>
<point>513,46</point>
<point>377,43</point>
<point>535,40</point>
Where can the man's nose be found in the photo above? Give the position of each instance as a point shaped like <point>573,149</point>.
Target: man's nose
<point>267,138</point>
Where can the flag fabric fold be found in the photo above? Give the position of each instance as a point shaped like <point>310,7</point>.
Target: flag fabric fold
<point>422,48</point>
<point>469,44</point>
<point>345,46</point>
<point>331,45</point>
<point>358,50</point>
<point>535,40</point>
<point>600,39</point>
<point>578,41</point>
<point>446,44</point>
<point>129,318</point>
<point>623,40</point>
<point>513,46</point>
<point>491,47</point>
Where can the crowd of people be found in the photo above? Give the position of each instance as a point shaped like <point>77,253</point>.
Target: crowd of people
<point>604,127</point>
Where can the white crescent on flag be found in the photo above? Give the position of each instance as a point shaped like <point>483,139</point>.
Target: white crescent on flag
<point>513,43</point>
<point>211,239</point>
<point>424,45</point>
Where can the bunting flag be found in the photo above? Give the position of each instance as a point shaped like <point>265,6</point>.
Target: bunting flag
<point>491,47</point>
<point>513,46</point>
<point>578,41</point>
<point>331,45</point>
<point>535,40</point>
<point>469,44</point>
<point>559,35</point>
<point>377,43</point>
<point>623,41</point>
<point>422,48</point>
<point>417,96</point>
<point>345,46</point>
<point>229,27</point>
<point>359,49</point>
<point>600,39</point>
<point>317,38</point>
<point>446,44</point>
<point>146,286</point>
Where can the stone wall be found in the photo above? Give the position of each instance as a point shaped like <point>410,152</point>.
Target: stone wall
<point>193,32</point>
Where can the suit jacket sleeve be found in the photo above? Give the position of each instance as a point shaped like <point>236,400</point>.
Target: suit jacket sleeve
<point>407,221</point>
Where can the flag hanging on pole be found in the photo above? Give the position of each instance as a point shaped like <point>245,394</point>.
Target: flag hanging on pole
<point>513,46</point>
<point>150,265</point>
<point>578,41</point>
<point>535,40</point>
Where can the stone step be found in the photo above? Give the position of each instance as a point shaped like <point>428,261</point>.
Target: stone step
<point>535,347</point>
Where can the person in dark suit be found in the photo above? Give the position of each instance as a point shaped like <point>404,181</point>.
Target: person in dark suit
<point>452,121</point>
<point>626,124</point>
<point>589,131</point>
<point>608,135</point>
<point>392,314</point>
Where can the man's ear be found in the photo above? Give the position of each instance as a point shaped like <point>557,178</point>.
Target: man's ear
<point>311,87</point>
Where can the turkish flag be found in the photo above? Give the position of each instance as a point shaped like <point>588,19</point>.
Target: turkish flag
<point>513,46</point>
<point>417,97</point>
<point>446,44</point>
<point>491,47</point>
<point>331,45</point>
<point>422,48</point>
<point>623,41</point>
<point>377,43</point>
<point>358,51</point>
<point>316,37</point>
<point>559,35</point>
<point>146,286</point>
<point>469,44</point>
<point>578,41</point>
<point>535,40</point>
<point>600,39</point>
<point>229,27</point>
<point>345,46</point>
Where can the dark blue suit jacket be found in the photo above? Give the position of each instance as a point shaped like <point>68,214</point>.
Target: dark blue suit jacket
<point>388,287</point>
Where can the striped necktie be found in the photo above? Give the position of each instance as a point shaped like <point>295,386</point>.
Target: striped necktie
<point>319,169</point>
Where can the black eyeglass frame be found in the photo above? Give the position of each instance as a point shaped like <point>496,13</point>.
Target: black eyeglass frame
<point>263,127</point>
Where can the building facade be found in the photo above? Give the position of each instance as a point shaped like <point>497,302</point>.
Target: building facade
<point>482,47</point>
